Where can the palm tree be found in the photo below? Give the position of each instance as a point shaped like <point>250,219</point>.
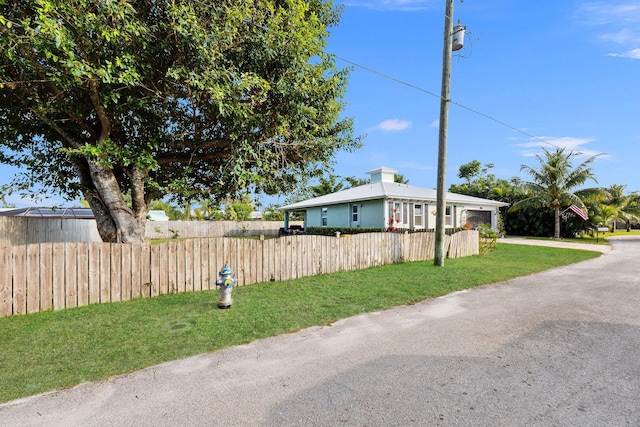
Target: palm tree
<point>625,207</point>
<point>553,183</point>
<point>400,179</point>
<point>605,214</point>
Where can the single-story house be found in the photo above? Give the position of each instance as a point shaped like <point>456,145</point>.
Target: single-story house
<point>383,203</point>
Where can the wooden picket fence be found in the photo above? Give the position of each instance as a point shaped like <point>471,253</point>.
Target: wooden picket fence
<point>53,276</point>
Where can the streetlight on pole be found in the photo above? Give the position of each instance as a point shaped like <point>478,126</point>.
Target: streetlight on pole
<point>441,202</point>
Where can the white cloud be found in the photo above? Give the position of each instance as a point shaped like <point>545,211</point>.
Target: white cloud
<point>393,125</point>
<point>618,23</point>
<point>624,36</point>
<point>533,146</point>
<point>633,54</point>
<point>435,123</point>
<point>605,13</point>
<point>405,5</point>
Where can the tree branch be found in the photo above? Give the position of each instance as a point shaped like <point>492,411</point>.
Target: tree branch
<point>105,121</point>
<point>187,158</point>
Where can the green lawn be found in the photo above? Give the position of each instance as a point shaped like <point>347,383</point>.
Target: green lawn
<point>50,350</point>
<point>596,239</point>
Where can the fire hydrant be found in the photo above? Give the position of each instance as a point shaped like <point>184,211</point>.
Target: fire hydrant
<point>226,283</point>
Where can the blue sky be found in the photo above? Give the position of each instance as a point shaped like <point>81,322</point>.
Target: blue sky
<point>562,71</point>
<point>565,72</point>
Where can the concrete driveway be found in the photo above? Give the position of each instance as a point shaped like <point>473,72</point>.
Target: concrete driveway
<point>559,348</point>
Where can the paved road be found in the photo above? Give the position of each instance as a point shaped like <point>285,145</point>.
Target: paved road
<point>559,348</point>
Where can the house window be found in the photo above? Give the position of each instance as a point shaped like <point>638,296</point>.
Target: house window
<point>417,215</point>
<point>397,213</point>
<point>354,213</point>
<point>405,213</point>
<point>323,216</point>
<point>447,216</point>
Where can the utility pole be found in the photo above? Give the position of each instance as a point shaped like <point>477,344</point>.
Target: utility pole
<point>441,202</point>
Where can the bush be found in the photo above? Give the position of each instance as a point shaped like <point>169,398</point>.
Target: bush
<point>331,231</point>
<point>488,238</point>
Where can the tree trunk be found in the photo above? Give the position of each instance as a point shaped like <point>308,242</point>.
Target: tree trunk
<point>556,233</point>
<point>106,226</point>
<point>117,222</point>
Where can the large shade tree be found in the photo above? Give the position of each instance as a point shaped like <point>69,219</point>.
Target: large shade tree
<point>481,183</point>
<point>555,183</point>
<point>194,99</point>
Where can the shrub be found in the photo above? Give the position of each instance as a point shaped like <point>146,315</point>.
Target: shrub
<point>488,238</point>
<point>331,231</point>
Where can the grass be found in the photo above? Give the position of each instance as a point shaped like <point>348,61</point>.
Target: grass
<point>51,350</point>
<point>595,239</point>
<point>591,240</point>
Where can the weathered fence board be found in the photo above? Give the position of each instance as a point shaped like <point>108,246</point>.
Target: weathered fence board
<point>83,273</point>
<point>19,280</point>
<point>46,276</point>
<point>58,275</point>
<point>6,282</point>
<point>33,279</point>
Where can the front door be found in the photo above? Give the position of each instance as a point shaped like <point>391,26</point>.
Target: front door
<point>355,216</point>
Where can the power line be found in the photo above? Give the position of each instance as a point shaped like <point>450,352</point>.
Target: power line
<point>386,76</point>
<point>472,110</point>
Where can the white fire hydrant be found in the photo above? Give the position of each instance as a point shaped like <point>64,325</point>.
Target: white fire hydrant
<point>226,283</point>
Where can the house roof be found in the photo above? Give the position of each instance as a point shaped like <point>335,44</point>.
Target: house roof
<point>83,213</point>
<point>77,213</point>
<point>388,190</point>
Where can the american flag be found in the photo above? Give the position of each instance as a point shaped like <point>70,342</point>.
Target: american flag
<point>578,211</point>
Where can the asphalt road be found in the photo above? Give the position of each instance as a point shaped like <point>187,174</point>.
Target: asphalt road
<point>559,348</point>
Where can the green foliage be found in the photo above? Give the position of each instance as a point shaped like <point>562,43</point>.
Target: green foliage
<point>238,212</point>
<point>331,231</point>
<point>605,206</point>
<point>4,203</point>
<point>400,179</point>
<point>619,207</point>
<point>326,185</point>
<point>271,213</point>
<point>207,211</point>
<point>352,181</point>
<point>239,209</point>
<point>184,98</point>
<point>469,170</point>
<point>482,184</point>
<point>329,185</point>
<point>554,184</point>
<point>488,238</point>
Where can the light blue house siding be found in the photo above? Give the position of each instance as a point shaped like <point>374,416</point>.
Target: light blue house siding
<point>327,216</point>
<point>313,217</point>
<point>361,214</point>
<point>370,214</point>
